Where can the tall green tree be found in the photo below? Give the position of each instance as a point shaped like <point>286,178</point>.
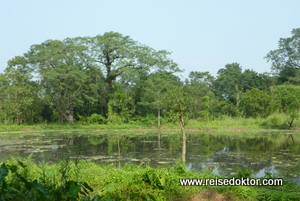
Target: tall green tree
<point>177,105</point>
<point>94,100</point>
<point>61,73</point>
<point>231,83</point>
<point>119,56</point>
<point>200,85</point>
<point>20,95</point>
<point>122,58</point>
<point>285,60</point>
<point>228,87</point>
<point>156,89</point>
<point>251,79</point>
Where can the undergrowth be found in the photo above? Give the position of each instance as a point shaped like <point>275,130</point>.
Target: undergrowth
<point>274,121</point>
<point>22,179</point>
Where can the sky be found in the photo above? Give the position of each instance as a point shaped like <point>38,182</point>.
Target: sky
<point>202,35</point>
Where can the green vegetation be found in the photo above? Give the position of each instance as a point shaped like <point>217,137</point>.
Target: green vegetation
<point>83,180</point>
<point>111,79</point>
<point>222,123</point>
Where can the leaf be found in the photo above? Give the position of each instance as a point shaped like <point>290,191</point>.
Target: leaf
<point>101,198</point>
<point>28,184</point>
<point>22,164</point>
<point>74,190</point>
<point>50,172</point>
<point>110,187</point>
<point>13,168</point>
<point>87,186</point>
<point>42,189</point>
<point>3,172</point>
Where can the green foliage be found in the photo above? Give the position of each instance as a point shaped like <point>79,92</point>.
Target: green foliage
<point>202,102</point>
<point>245,173</point>
<point>285,59</point>
<point>232,82</point>
<point>22,180</point>
<point>225,121</point>
<point>153,178</point>
<point>19,94</point>
<point>276,119</point>
<point>280,121</point>
<point>62,74</point>
<point>113,79</point>
<point>120,106</point>
<point>177,102</point>
<point>83,180</point>
<point>156,91</point>
<point>93,119</point>
<point>285,99</point>
<point>256,103</point>
<point>227,84</point>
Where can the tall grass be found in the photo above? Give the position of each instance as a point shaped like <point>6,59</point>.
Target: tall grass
<point>226,121</point>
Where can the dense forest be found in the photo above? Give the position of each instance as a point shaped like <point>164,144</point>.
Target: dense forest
<point>111,78</point>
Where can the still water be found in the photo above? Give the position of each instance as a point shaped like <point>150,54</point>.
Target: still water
<point>222,153</point>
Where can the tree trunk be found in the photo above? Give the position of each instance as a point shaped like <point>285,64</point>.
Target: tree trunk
<point>70,116</point>
<point>290,121</point>
<point>181,121</point>
<point>158,117</point>
<point>19,120</point>
<point>61,118</point>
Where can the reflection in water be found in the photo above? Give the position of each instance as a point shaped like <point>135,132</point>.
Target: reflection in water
<point>158,139</point>
<point>70,141</point>
<point>224,154</point>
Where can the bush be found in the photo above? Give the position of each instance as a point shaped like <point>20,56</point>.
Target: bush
<point>96,119</point>
<point>280,120</point>
<point>93,119</point>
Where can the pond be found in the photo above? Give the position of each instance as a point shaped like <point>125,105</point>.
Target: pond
<point>222,153</point>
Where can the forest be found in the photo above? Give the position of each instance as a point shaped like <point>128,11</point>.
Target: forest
<point>113,79</point>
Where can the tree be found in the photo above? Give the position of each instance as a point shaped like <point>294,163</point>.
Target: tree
<point>121,58</point>
<point>200,86</point>
<point>156,89</point>
<point>61,73</point>
<point>285,98</point>
<point>228,85</point>
<point>120,105</point>
<point>94,100</point>
<point>177,104</point>
<point>251,79</point>
<point>119,55</point>
<point>19,93</point>
<point>285,60</point>
<point>80,74</point>
<point>231,83</point>
<point>256,103</point>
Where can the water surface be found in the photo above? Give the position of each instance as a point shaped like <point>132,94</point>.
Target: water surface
<point>224,154</point>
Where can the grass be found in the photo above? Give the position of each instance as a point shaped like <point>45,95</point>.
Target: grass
<point>226,122</point>
<point>274,121</point>
<point>21,179</point>
<point>56,126</point>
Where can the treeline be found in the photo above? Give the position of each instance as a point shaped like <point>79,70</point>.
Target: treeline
<point>111,78</point>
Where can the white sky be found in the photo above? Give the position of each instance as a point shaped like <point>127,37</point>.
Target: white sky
<point>202,35</point>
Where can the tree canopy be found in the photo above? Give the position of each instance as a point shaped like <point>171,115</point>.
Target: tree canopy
<point>111,78</point>
<point>285,60</point>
